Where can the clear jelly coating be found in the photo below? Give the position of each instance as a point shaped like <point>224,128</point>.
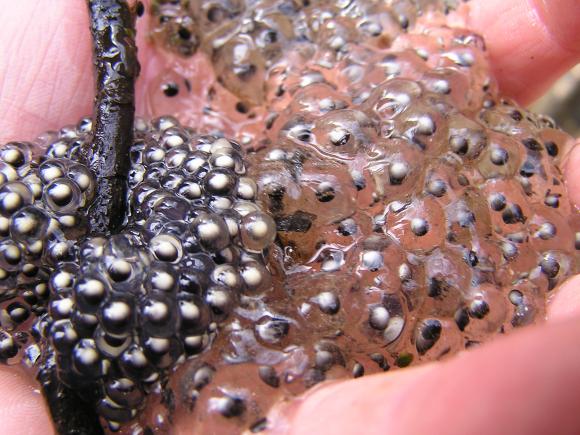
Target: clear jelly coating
<point>378,205</point>
<point>119,314</point>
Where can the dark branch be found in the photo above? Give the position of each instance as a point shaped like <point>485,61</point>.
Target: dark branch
<point>115,58</point>
<point>116,65</point>
<point>71,415</point>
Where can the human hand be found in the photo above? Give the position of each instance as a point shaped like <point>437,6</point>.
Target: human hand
<point>526,383</point>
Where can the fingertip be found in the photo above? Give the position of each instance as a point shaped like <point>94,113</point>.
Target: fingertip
<point>560,19</point>
<point>523,384</point>
<point>45,67</point>
<point>22,409</point>
<point>572,175</point>
<point>565,302</point>
<point>346,407</point>
<point>530,42</point>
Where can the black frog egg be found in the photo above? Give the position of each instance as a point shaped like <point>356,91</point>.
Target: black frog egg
<point>59,250</point>
<point>58,149</point>
<point>272,330</point>
<point>427,333</point>
<point>63,336</point>
<point>10,255</point>
<point>499,156</point>
<point>372,260</point>
<point>161,277</point>
<point>119,270</point>
<point>173,136</point>
<point>247,189</point>
<point>13,196</point>
<point>62,308</point>
<point>212,231</point>
<point>190,190</point>
<point>228,276</point>
<point>29,224</point>
<point>194,313</point>
<point>220,182</point>
<point>51,170</point>
<point>62,196</point>
<point>117,316</point>
<point>546,231</point>
<point>325,191</point>
<point>158,316</point>
<point>124,392</point>
<point>419,226</point>
<point>550,265</point>
<point>255,276</point>
<point>87,359</point>
<point>62,279</point>
<point>16,154</point>
<point>166,248</point>
<point>220,299</point>
<point>154,154</point>
<point>497,201</point>
<point>328,302</point>
<point>398,171</point>
<point>89,293</point>
<point>194,344</point>
<point>196,163</point>
<point>135,363</point>
<point>436,187</point>
<point>227,158</point>
<point>83,178</point>
<point>113,413</point>
<point>34,184</point>
<point>176,158</point>
<point>8,346</point>
<point>379,317</point>
<point>110,346</point>
<point>257,231</point>
<point>18,312</point>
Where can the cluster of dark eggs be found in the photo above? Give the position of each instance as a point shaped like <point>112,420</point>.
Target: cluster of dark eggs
<point>414,214</point>
<point>120,312</point>
<point>43,212</point>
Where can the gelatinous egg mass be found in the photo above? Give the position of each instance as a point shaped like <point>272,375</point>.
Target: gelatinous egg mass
<point>352,196</point>
<point>118,314</point>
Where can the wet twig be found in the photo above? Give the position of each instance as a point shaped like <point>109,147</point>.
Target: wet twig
<point>116,65</point>
<point>70,414</point>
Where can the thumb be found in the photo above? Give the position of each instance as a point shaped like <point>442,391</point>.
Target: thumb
<point>530,42</point>
<point>525,384</point>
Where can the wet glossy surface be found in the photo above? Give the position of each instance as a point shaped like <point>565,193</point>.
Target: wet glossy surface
<point>417,212</point>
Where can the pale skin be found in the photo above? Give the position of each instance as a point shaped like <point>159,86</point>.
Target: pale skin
<point>526,383</point>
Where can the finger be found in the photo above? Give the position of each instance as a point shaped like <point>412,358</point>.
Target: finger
<point>45,66</point>
<point>572,175</point>
<point>530,42</point>
<point>23,410</point>
<point>526,383</point>
<point>565,302</point>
